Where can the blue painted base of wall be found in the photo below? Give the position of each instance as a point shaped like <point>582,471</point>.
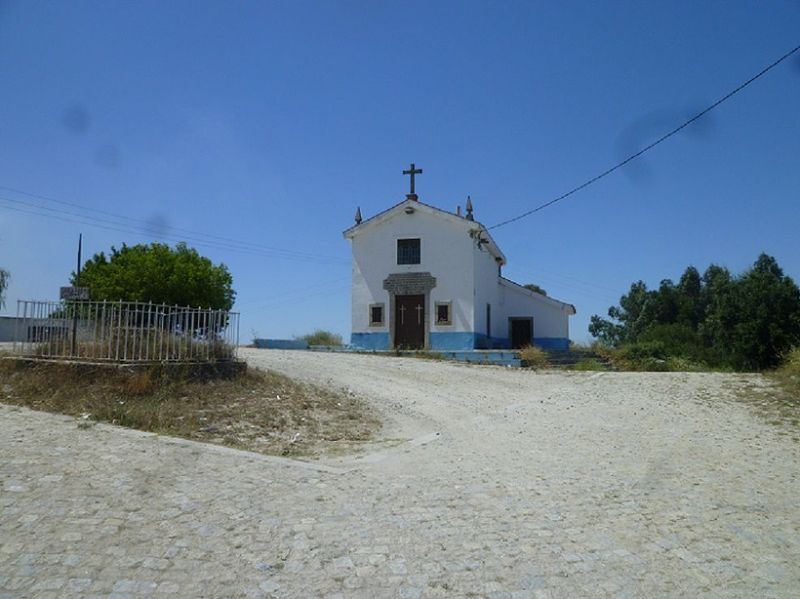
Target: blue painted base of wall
<point>452,341</point>
<point>280,343</point>
<point>374,341</point>
<point>455,341</point>
<point>485,342</point>
<point>552,343</point>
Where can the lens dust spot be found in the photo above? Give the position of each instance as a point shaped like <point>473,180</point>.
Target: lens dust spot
<point>158,224</point>
<point>75,119</point>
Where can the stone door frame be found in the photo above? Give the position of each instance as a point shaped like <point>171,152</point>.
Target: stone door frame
<point>409,283</point>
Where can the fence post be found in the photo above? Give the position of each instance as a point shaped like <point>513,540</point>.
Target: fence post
<point>16,329</point>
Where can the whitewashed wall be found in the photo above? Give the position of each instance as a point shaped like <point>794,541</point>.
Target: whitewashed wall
<point>486,292</point>
<point>445,253</point>
<point>466,276</point>
<point>550,318</point>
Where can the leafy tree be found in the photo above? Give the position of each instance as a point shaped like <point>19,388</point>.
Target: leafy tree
<point>689,289</point>
<point>5,276</point>
<point>747,322</point>
<point>627,315</point>
<point>607,332</point>
<point>766,321</point>
<point>535,288</point>
<point>159,274</point>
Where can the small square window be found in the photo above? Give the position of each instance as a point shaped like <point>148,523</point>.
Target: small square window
<point>443,313</point>
<point>408,251</point>
<point>376,315</point>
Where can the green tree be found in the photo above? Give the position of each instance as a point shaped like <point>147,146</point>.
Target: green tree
<point>5,276</point>
<point>159,274</point>
<point>607,332</point>
<point>689,290</point>
<point>718,307</point>
<point>765,317</point>
<point>535,288</point>
<point>747,322</point>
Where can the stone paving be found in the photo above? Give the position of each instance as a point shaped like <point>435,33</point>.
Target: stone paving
<point>488,482</point>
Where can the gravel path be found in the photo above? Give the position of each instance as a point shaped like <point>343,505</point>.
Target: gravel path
<point>486,482</point>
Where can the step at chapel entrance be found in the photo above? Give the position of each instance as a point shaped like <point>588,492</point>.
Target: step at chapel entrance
<point>409,321</point>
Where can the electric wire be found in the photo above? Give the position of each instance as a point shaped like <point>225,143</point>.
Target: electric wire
<point>62,215</point>
<point>650,146</point>
<point>148,224</point>
<point>297,300</point>
<point>296,292</point>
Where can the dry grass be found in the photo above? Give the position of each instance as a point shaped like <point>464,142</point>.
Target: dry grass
<point>775,397</point>
<point>788,375</point>
<point>258,411</point>
<point>533,357</point>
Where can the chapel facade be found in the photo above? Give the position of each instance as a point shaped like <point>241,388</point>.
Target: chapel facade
<point>425,278</point>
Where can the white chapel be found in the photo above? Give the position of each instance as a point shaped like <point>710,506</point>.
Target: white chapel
<point>425,278</point>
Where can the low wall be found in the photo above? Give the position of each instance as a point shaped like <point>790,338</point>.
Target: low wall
<point>8,325</point>
<point>280,343</point>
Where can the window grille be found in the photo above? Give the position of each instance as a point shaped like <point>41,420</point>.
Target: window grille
<point>408,251</point>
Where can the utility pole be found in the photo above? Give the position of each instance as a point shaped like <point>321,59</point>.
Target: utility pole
<point>74,305</point>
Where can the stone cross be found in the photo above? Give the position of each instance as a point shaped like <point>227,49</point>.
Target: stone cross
<point>412,171</point>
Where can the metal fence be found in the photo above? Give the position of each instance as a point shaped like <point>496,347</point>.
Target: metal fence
<point>124,332</point>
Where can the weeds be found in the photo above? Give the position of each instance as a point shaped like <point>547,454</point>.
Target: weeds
<point>425,354</point>
<point>587,365</point>
<point>788,374</point>
<point>321,337</point>
<point>533,357</point>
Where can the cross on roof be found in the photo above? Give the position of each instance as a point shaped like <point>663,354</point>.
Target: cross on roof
<point>412,171</point>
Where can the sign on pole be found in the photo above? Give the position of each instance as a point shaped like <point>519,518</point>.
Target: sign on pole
<point>75,293</point>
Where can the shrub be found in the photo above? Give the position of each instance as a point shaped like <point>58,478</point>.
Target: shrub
<point>587,364</point>
<point>681,364</point>
<point>675,339</point>
<point>320,337</point>
<point>787,375</point>
<point>647,356</point>
<point>791,363</point>
<point>533,357</point>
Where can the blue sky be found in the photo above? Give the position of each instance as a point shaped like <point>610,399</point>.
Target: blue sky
<point>269,122</point>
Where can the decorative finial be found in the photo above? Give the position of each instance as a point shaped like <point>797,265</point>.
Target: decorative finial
<point>412,171</point>
<point>469,209</point>
<point>458,210</point>
<point>358,215</point>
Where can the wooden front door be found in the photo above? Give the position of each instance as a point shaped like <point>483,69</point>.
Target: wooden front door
<point>409,321</point>
<point>521,332</point>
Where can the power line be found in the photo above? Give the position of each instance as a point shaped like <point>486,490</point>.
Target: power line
<point>539,272</point>
<point>296,292</point>
<point>111,225</point>
<point>652,145</point>
<point>149,224</point>
<point>296,300</point>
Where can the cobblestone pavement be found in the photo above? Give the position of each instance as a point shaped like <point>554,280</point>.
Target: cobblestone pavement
<point>488,482</point>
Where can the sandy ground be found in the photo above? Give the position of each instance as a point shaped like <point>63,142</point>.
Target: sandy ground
<point>484,482</point>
